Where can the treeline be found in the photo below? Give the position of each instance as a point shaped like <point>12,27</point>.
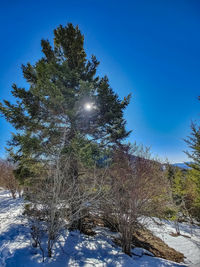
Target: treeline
<point>69,156</point>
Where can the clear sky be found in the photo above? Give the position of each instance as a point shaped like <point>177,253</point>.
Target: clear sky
<point>148,48</point>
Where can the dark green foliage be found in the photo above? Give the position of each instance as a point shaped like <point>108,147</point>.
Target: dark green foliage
<point>193,142</point>
<point>193,193</point>
<point>51,110</point>
<point>178,188</point>
<point>170,173</point>
<point>193,178</point>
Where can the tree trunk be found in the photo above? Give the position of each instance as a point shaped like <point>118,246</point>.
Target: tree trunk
<point>49,248</point>
<point>13,193</point>
<point>177,227</point>
<point>75,207</point>
<point>126,247</point>
<point>126,243</point>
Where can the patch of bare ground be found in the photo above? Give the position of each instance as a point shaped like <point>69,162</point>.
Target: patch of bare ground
<point>145,239</point>
<point>142,238</point>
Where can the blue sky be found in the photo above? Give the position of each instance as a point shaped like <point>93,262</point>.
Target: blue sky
<point>148,48</point>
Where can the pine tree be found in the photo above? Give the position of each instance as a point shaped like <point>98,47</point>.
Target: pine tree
<point>178,187</point>
<point>193,193</point>
<point>170,172</point>
<point>193,141</point>
<point>52,110</point>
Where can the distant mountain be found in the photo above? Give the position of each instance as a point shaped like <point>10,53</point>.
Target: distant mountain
<point>181,165</point>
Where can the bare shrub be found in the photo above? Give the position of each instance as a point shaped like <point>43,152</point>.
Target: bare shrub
<point>136,188</point>
<point>55,195</point>
<point>7,178</point>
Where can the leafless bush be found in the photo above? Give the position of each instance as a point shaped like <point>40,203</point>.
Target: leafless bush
<point>7,178</point>
<point>60,198</point>
<point>135,189</point>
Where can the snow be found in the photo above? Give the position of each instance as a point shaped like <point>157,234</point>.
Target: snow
<point>141,251</point>
<point>187,243</point>
<point>12,231</point>
<point>74,249</point>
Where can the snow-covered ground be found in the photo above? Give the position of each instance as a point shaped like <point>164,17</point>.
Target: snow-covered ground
<point>75,249</point>
<point>188,242</point>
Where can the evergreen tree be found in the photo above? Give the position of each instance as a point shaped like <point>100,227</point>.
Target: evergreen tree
<point>65,102</point>
<point>193,141</point>
<point>193,193</point>
<point>170,173</point>
<point>178,187</point>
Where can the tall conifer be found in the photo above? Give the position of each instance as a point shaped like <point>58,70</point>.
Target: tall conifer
<point>60,84</point>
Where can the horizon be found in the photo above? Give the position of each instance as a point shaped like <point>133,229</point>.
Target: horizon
<point>150,50</point>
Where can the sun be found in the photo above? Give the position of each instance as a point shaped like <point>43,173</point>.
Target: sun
<point>88,106</point>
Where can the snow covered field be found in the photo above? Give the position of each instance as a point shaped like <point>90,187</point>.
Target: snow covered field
<point>75,249</point>
<point>188,242</point>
